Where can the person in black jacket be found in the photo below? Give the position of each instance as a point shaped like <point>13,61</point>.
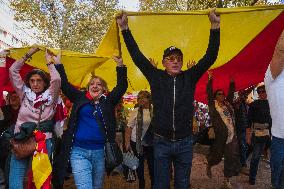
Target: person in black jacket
<point>10,113</point>
<point>172,94</point>
<point>258,131</point>
<point>84,140</point>
<point>241,118</point>
<point>225,145</point>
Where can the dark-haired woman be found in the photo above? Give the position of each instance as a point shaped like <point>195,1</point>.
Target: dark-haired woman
<point>223,121</point>
<point>136,136</point>
<point>38,96</point>
<point>84,140</point>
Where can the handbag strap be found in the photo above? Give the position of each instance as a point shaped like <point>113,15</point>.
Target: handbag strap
<point>39,116</point>
<point>98,109</point>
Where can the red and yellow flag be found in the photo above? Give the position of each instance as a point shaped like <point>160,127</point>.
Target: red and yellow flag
<point>41,166</point>
<point>248,38</point>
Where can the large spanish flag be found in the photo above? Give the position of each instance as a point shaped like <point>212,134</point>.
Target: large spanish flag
<point>79,66</point>
<point>248,38</point>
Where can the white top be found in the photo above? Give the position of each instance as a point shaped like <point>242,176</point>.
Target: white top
<point>275,95</point>
<point>132,122</point>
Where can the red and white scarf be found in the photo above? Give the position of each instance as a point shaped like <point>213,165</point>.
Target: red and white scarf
<point>45,99</point>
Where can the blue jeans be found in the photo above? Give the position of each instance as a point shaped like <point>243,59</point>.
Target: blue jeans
<point>88,168</point>
<point>178,153</point>
<point>243,148</point>
<point>277,162</point>
<point>258,148</point>
<point>18,168</point>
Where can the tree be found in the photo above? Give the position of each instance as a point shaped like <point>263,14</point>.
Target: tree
<point>186,5</point>
<point>77,25</point>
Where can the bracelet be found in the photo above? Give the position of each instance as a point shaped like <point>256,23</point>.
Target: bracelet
<point>27,56</point>
<point>49,63</point>
<point>122,65</point>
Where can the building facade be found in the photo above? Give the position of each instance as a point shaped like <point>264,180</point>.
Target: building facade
<point>13,33</point>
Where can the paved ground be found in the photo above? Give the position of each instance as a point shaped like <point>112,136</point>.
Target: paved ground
<point>199,180</point>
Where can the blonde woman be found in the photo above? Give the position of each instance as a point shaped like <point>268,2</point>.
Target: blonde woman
<point>83,141</point>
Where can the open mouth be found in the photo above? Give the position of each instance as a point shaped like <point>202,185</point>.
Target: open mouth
<point>175,67</point>
<point>96,91</point>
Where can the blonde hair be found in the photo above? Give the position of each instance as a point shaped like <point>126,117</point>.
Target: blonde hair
<point>104,83</point>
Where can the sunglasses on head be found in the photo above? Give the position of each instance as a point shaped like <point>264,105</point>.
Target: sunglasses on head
<point>173,58</point>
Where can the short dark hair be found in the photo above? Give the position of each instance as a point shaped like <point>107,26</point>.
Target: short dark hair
<point>171,50</point>
<point>259,88</point>
<point>9,95</point>
<point>44,76</point>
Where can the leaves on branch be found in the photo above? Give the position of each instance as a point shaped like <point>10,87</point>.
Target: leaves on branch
<point>186,5</point>
<point>77,25</point>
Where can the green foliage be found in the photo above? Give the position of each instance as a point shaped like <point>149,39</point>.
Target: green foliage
<point>185,5</point>
<point>77,25</point>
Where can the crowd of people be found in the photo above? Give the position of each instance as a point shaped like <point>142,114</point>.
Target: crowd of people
<point>161,129</point>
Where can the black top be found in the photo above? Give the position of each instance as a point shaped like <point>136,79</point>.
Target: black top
<point>259,112</point>
<point>173,96</point>
<point>10,117</point>
<point>241,117</point>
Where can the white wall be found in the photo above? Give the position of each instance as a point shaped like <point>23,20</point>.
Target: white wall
<point>12,33</point>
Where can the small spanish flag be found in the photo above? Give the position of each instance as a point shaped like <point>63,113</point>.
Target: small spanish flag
<point>41,166</point>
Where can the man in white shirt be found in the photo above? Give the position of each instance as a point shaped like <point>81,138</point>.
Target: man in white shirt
<point>274,83</point>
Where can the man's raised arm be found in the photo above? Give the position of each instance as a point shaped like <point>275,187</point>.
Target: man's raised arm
<point>137,56</point>
<point>277,62</point>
